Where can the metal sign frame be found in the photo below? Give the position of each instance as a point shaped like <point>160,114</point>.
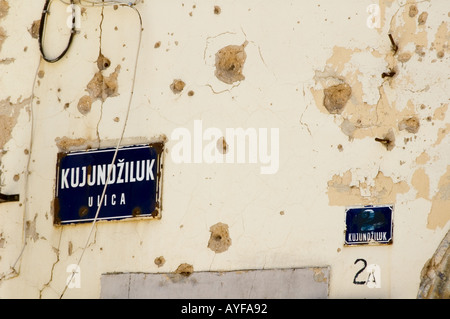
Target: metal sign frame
<point>133,184</point>
<point>369,225</point>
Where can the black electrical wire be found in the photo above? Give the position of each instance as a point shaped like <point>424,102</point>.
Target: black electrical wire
<point>45,12</point>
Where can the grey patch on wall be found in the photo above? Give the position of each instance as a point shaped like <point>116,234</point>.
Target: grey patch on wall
<point>230,63</point>
<point>289,283</point>
<point>435,275</point>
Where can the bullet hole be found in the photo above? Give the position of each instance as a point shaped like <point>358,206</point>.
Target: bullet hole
<point>219,240</point>
<point>185,270</point>
<point>34,29</point>
<point>388,140</point>
<point>84,104</point>
<point>116,119</point>
<point>422,18</point>
<point>230,63</point>
<point>340,147</point>
<point>413,11</point>
<point>101,87</point>
<point>136,211</point>
<point>66,106</point>
<point>282,212</point>
<point>160,261</point>
<point>419,50</point>
<point>411,125</point>
<point>83,211</point>
<point>16,177</point>
<point>30,229</point>
<point>222,145</point>
<point>217,10</point>
<point>116,7</point>
<point>26,151</point>
<point>177,86</point>
<point>440,54</point>
<point>404,57</point>
<point>191,93</point>
<point>336,96</point>
<point>41,74</point>
<point>157,44</point>
<point>103,62</point>
<point>4,8</point>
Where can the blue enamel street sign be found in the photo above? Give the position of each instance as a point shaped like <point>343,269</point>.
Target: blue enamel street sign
<point>368,225</point>
<point>132,184</point>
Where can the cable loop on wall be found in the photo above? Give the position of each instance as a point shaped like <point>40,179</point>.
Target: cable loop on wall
<point>45,12</point>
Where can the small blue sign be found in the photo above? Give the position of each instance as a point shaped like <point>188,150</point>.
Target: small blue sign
<point>368,225</point>
<point>132,184</point>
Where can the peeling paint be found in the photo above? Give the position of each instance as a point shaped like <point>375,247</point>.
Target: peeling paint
<point>342,191</point>
<point>421,182</point>
<point>101,87</point>
<point>177,86</point>
<point>85,104</point>
<point>3,37</point>
<point>160,261</point>
<point>9,112</point>
<point>66,144</point>
<point>336,96</point>
<point>439,213</point>
<point>4,8</point>
<point>410,124</point>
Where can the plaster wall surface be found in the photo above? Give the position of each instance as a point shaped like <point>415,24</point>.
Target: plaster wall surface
<point>349,118</point>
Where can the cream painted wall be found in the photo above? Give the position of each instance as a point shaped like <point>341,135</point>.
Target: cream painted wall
<point>327,162</point>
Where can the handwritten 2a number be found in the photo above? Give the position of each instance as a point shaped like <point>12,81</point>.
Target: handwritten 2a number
<point>373,277</point>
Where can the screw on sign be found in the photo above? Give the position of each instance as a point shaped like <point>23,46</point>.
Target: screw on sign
<point>74,278</point>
